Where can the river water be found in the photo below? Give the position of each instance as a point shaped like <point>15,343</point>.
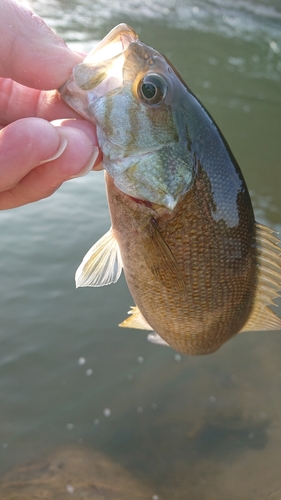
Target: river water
<point>197,428</point>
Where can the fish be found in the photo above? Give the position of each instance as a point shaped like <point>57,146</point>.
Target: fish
<point>199,267</point>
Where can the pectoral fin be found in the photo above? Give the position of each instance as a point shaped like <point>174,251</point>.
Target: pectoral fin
<point>102,264</point>
<point>135,320</point>
<point>160,258</point>
<point>269,282</point>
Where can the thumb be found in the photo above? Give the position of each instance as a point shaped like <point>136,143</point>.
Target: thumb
<point>37,157</point>
<point>31,53</point>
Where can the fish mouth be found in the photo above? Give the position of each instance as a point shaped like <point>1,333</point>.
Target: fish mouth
<point>101,70</point>
<point>104,64</point>
<point>113,44</point>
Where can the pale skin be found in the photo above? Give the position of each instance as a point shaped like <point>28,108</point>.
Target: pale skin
<point>43,143</point>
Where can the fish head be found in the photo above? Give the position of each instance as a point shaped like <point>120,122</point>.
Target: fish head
<point>135,98</point>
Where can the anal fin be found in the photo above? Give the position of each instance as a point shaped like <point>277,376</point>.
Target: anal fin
<point>154,338</point>
<point>135,320</point>
<point>269,282</point>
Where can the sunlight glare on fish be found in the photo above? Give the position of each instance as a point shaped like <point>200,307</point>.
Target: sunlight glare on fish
<point>104,50</point>
<point>113,80</point>
<point>115,73</point>
<point>105,53</point>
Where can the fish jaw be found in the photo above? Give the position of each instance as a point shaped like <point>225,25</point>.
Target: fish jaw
<point>95,68</point>
<point>114,43</point>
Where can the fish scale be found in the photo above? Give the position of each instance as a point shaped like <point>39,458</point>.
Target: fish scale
<point>208,311</point>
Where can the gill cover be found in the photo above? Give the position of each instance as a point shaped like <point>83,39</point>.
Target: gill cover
<point>131,92</point>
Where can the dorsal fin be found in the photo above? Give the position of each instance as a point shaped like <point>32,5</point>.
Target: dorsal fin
<point>102,264</point>
<point>269,281</point>
<point>135,320</point>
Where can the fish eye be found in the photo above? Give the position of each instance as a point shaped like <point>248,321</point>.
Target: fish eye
<point>152,89</point>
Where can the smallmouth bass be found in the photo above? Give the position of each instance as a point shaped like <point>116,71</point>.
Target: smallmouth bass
<point>198,266</point>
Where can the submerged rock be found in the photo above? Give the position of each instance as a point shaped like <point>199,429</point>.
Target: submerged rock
<point>72,472</point>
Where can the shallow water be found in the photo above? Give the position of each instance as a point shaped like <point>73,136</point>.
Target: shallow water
<point>184,427</point>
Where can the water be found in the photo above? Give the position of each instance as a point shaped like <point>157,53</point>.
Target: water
<point>180,427</point>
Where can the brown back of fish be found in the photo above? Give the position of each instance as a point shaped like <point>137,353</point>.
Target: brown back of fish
<point>193,278</point>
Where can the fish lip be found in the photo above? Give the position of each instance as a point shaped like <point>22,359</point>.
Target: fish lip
<point>111,47</point>
<point>102,68</point>
<point>121,37</point>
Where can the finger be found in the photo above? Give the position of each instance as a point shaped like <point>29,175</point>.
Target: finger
<point>27,181</point>
<point>18,101</point>
<point>23,145</point>
<point>31,53</point>
<point>89,129</point>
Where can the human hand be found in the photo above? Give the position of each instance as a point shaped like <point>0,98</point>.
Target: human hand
<point>42,141</point>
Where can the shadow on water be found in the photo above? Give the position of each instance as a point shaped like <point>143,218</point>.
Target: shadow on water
<point>91,411</point>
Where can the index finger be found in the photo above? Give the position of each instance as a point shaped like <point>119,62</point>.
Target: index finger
<point>18,101</point>
<point>31,53</point>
